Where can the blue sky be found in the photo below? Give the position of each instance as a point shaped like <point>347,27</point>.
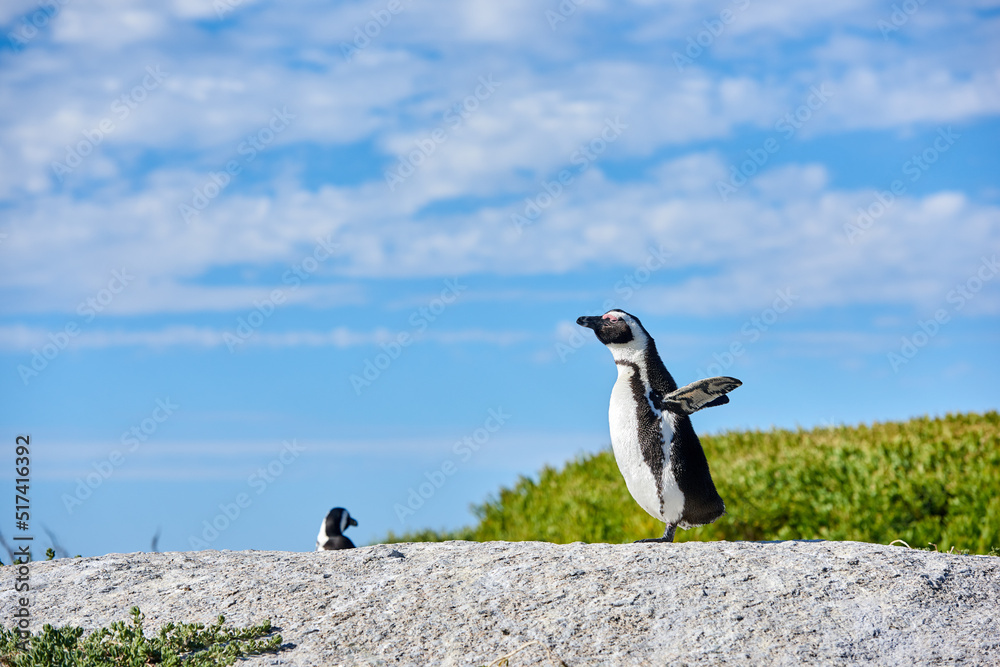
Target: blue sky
<point>261,259</point>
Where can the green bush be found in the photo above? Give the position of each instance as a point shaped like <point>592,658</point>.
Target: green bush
<point>924,481</point>
<point>125,645</point>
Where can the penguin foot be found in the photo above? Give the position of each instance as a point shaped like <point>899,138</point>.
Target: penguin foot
<point>668,535</point>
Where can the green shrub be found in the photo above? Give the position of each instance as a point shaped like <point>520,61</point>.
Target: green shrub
<point>124,645</point>
<point>922,481</point>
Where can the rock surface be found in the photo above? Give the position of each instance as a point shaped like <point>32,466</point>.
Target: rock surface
<point>463,603</point>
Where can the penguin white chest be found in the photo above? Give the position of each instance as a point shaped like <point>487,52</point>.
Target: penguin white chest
<point>648,475</point>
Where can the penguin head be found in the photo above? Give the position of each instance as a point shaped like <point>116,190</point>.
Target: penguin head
<point>621,332</point>
<point>338,520</point>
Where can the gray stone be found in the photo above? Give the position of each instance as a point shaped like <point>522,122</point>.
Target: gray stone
<point>464,603</point>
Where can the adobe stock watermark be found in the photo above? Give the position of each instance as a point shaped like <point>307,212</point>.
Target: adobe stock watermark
<point>259,481</point>
<point>365,33</point>
<point>787,125</point>
<point>31,25</point>
<point>915,167</point>
<point>714,27</point>
<point>751,331</point>
<point>130,440</point>
<point>630,283</point>
<point>899,17</point>
<point>452,119</point>
<point>88,309</point>
<point>582,158</point>
<point>249,148</point>
<point>419,320</point>
<point>958,296</point>
<point>562,12</point>
<point>121,108</point>
<point>464,450</point>
<point>294,277</point>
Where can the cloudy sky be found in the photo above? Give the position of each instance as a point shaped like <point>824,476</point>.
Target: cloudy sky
<point>263,259</point>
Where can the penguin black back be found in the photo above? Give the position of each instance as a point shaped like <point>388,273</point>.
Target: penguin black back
<point>702,502</point>
<point>659,377</point>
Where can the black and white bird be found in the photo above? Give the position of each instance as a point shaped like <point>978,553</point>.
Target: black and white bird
<point>657,450</point>
<point>331,531</point>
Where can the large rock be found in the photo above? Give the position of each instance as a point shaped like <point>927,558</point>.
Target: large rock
<point>464,603</point>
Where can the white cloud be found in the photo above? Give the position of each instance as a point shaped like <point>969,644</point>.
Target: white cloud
<point>222,87</point>
<point>119,208</point>
<point>15,9</point>
<point>786,228</point>
<point>109,26</point>
<point>21,338</point>
<point>909,94</point>
<point>512,452</point>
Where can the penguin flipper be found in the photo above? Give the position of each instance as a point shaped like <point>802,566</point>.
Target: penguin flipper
<point>721,400</point>
<point>706,393</point>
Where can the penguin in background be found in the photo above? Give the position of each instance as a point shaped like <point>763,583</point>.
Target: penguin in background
<point>655,446</point>
<point>331,531</point>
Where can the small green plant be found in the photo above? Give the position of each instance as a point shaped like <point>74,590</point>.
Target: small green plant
<point>430,535</point>
<point>952,551</point>
<point>126,645</point>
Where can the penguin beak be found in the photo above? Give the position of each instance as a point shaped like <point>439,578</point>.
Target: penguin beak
<point>590,321</point>
<point>352,522</point>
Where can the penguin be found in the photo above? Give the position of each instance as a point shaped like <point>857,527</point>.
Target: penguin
<point>331,530</point>
<point>655,446</point>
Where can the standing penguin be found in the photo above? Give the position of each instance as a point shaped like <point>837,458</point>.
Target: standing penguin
<point>331,530</point>
<point>655,445</point>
